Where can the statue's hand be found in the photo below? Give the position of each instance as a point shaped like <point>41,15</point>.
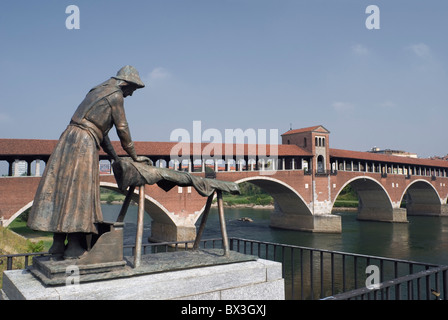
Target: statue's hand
<point>145,160</point>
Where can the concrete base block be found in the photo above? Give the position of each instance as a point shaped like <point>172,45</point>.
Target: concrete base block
<point>383,215</point>
<point>327,223</point>
<point>444,210</point>
<point>427,210</point>
<point>255,280</point>
<point>161,232</point>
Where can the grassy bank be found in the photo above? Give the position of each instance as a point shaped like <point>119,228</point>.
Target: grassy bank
<point>259,200</point>
<point>110,196</point>
<point>345,204</point>
<point>35,241</point>
<point>348,198</point>
<point>251,195</point>
<point>13,243</point>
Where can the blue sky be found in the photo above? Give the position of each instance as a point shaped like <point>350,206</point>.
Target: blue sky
<point>260,64</point>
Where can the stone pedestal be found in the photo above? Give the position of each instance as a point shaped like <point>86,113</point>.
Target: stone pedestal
<point>254,279</point>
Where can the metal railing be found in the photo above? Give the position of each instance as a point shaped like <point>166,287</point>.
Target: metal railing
<point>24,257</point>
<point>408,287</point>
<point>312,274</point>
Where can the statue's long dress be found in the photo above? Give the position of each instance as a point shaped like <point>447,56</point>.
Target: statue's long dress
<point>68,196</point>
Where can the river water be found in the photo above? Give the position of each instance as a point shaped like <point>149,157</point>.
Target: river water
<point>423,239</point>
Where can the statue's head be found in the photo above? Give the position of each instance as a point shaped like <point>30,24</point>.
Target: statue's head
<point>130,75</point>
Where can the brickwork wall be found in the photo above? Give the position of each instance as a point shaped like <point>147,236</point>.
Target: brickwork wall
<point>15,193</point>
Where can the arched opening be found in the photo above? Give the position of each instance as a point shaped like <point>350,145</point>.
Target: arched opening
<point>154,209</point>
<point>421,198</point>
<point>320,164</point>
<point>105,166</point>
<point>161,163</point>
<point>159,224</point>
<point>4,168</point>
<point>290,209</point>
<point>18,214</point>
<point>287,200</point>
<point>374,202</point>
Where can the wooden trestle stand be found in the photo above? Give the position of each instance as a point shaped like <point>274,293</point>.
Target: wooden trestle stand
<point>222,222</point>
<point>141,211</point>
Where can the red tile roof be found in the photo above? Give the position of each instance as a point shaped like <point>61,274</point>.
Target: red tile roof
<point>308,129</point>
<point>26,147</point>
<point>35,147</point>
<point>369,156</point>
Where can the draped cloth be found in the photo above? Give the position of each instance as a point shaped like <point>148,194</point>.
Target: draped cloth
<point>129,173</point>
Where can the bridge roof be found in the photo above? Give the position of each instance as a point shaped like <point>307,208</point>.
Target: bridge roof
<point>369,156</point>
<point>26,147</point>
<point>10,148</point>
<point>318,128</point>
<point>22,148</point>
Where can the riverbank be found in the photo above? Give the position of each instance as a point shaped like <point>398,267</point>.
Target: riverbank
<point>12,242</point>
<point>344,209</point>
<point>250,197</point>
<point>248,205</point>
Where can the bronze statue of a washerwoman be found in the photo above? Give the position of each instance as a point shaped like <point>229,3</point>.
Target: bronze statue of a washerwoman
<point>67,201</point>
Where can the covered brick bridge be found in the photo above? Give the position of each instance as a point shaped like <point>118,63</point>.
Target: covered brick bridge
<point>303,174</point>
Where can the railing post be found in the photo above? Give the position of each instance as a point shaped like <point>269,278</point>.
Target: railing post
<point>444,284</point>
<point>9,263</point>
<point>332,273</point>
<point>222,223</point>
<point>321,274</point>
<point>311,274</point>
<point>139,235</point>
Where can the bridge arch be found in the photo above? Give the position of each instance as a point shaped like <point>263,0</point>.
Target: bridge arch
<point>18,213</point>
<point>287,200</point>
<point>165,225</point>
<point>374,201</point>
<point>153,208</point>
<point>290,209</point>
<point>422,198</point>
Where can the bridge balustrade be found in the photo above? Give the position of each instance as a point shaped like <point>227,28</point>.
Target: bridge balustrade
<point>23,167</point>
<point>389,168</point>
<point>281,164</point>
<point>220,165</point>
